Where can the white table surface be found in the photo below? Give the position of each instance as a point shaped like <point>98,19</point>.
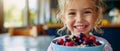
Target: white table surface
<point>24,43</point>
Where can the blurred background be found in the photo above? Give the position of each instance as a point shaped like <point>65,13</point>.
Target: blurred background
<point>37,18</point>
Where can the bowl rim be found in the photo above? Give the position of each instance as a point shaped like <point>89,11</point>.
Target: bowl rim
<point>102,44</point>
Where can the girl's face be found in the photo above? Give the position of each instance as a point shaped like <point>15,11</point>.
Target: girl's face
<point>80,16</point>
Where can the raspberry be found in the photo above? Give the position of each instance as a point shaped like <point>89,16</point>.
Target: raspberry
<point>97,43</point>
<point>93,38</point>
<point>86,39</point>
<point>69,44</point>
<point>60,41</point>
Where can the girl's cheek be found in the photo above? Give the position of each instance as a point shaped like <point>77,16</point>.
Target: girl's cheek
<point>69,23</point>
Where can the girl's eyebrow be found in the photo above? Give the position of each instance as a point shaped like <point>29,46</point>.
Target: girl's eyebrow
<point>89,9</point>
<point>71,9</point>
<point>83,9</point>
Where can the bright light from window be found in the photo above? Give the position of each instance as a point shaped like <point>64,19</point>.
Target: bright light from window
<point>33,10</point>
<point>33,4</point>
<point>13,13</point>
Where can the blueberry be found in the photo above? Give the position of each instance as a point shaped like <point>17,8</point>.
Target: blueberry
<point>74,38</point>
<point>58,43</point>
<point>67,40</point>
<point>78,43</point>
<point>84,42</point>
<point>80,35</point>
<point>81,41</point>
<point>91,41</point>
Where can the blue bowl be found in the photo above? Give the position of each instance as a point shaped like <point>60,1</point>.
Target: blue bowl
<point>73,48</point>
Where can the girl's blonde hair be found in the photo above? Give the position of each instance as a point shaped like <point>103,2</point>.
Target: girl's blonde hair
<point>61,10</point>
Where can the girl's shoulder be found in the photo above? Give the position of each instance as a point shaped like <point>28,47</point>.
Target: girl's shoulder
<point>102,39</point>
<point>107,44</point>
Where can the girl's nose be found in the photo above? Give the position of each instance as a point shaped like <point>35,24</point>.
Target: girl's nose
<point>79,18</point>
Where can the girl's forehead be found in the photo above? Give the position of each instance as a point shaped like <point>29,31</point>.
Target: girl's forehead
<point>79,1</point>
<point>80,4</point>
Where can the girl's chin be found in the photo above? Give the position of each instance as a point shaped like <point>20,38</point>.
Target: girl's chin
<point>78,31</point>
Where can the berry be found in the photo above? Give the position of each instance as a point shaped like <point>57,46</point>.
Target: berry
<point>74,38</point>
<point>97,43</point>
<point>67,39</point>
<point>69,44</point>
<point>90,42</point>
<point>80,35</point>
<point>84,42</point>
<point>93,38</point>
<point>79,40</point>
<point>78,43</point>
<point>86,39</point>
<point>60,41</point>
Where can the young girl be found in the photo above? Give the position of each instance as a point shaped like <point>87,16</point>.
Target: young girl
<point>81,16</point>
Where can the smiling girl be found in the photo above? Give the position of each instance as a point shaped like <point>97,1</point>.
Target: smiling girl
<point>81,16</point>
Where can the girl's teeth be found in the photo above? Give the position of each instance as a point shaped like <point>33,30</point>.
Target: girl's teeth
<point>80,27</point>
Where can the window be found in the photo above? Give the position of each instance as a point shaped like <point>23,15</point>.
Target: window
<point>21,13</point>
<point>33,11</point>
<point>14,13</point>
<point>17,12</point>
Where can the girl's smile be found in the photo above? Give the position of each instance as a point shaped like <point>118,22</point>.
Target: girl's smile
<point>80,27</point>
